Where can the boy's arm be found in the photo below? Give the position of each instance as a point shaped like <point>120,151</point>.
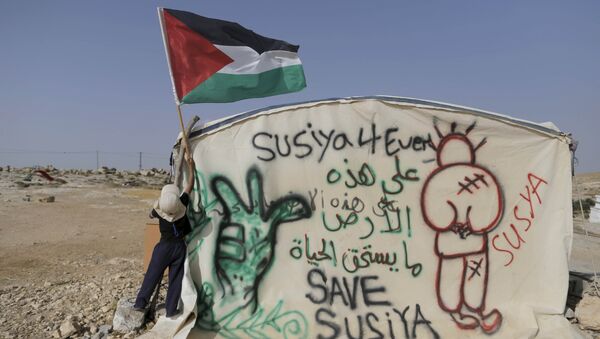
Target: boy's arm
<point>191,176</point>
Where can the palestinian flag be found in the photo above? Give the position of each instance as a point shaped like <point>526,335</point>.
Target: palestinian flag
<point>213,60</point>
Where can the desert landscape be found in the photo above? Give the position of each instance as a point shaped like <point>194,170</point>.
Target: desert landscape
<point>71,247</point>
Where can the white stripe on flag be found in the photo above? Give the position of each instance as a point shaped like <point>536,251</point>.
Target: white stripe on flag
<point>248,61</point>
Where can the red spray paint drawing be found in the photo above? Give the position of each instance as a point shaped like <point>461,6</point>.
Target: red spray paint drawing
<point>462,202</point>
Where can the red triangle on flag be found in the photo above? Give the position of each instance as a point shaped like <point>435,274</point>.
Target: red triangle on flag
<point>193,58</point>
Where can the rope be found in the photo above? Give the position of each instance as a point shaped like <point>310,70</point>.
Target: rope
<point>594,263</point>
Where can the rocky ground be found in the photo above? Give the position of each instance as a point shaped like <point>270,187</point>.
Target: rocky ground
<point>70,248</point>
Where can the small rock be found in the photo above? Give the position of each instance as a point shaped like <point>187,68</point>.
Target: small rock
<point>47,199</point>
<point>587,312</point>
<point>68,328</point>
<point>100,335</point>
<point>105,329</point>
<point>56,334</point>
<point>161,311</point>
<point>127,319</point>
<point>569,314</point>
<point>21,184</point>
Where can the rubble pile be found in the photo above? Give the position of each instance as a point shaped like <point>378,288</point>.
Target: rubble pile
<point>53,177</point>
<point>587,311</point>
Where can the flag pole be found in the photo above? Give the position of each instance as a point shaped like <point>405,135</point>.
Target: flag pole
<point>184,139</point>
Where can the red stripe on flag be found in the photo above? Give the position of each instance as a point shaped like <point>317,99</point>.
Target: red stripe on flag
<point>193,58</point>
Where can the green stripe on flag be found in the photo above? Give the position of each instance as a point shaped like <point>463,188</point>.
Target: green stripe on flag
<point>231,87</point>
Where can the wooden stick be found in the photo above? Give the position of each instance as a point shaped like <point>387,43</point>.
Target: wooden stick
<point>179,160</point>
<point>184,139</point>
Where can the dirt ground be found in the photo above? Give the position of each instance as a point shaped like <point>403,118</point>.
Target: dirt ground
<point>75,257</point>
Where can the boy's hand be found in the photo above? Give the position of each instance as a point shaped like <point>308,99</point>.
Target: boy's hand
<point>191,162</point>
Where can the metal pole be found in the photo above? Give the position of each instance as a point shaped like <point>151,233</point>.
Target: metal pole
<point>140,161</point>
<point>97,159</point>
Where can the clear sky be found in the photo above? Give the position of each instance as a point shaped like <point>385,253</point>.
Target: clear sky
<point>81,76</point>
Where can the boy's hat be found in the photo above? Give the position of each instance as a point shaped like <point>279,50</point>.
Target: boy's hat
<point>169,206</point>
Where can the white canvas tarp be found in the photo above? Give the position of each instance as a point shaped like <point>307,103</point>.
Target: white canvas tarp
<point>377,217</point>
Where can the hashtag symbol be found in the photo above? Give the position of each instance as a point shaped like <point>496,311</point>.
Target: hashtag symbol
<point>470,183</point>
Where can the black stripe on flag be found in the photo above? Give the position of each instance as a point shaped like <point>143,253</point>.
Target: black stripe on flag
<point>226,33</point>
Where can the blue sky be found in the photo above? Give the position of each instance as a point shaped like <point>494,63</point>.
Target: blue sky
<point>82,76</point>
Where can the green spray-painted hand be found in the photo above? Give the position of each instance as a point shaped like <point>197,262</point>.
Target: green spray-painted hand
<point>247,235</point>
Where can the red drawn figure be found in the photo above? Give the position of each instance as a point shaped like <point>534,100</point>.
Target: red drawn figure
<point>462,202</point>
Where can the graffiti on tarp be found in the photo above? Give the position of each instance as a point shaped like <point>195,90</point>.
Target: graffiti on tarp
<point>244,251</point>
<point>316,142</point>
<point>357,231</point>
<point>247,234</point>
<point>361,290</point>
<point>521,221</point>
<point>261,324</point>
<point>462,202</point>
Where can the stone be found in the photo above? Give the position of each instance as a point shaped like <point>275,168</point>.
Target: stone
<point>592,287</point>
<point>587,312</point>
<point>68,328</point>
<point>595,211</point>
<point>21,184</point>
<point>161,311</point>
<point>569,314</point>
<point>126,318</point>
<point>103,332</point>
<point>100,335</point>
<point>147,173</point>
<point>47,199</point>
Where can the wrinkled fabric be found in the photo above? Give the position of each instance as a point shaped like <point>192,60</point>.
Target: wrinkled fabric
<point>380,217</point>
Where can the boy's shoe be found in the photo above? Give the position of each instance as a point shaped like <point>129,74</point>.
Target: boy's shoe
<point>174,315</point>
<point>139,309</point>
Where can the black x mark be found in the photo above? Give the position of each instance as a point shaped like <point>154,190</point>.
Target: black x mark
<point>475,268</point>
